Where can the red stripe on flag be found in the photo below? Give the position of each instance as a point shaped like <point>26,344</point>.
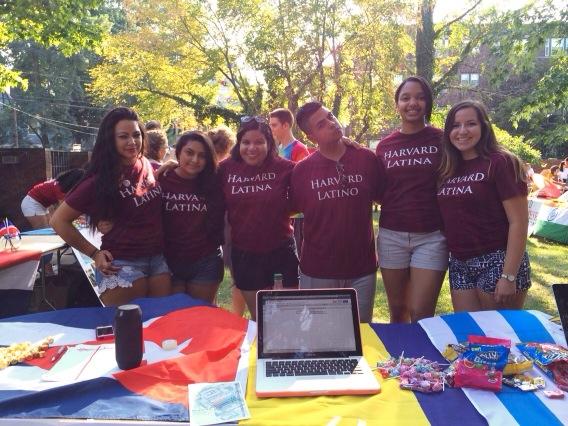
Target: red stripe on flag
<point>211,356</point>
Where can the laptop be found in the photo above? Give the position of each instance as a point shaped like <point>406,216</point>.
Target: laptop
<point>309,343</point>
<point>561,296</point>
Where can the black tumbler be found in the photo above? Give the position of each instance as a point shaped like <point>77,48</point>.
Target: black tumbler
<point>129,344</point>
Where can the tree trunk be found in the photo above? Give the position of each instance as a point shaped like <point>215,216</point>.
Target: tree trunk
<point>425,41</point>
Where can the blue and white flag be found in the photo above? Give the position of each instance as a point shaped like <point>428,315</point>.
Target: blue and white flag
<point>509,406</point>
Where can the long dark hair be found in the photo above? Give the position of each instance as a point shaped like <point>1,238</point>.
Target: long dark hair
<point>106,164</point>
<point>487,144</point>
<point>67,180</point>
<point>207,177</point>
<point>256,123</point>
<point>208,186</point>
<point>425,88</point>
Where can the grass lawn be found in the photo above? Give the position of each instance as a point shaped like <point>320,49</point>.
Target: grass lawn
<point>549,263</point>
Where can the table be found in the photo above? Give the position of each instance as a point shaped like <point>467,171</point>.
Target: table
<point>218,336</point>
<point>18,270</point>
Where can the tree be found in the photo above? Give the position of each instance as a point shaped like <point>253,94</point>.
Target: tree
<point>55,107</point>
<point>187,67</point>
<point>428,34</point>
<point>530,92</point>
<point>211,62</point>
<point>68,25</point>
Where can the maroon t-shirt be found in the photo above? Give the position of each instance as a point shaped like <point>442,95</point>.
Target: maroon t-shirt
<point>471,203</point>
<point>257,203</point>
<point>336,199</point>
<point>137,229</point>
<point>411,165</point>
<point>47,193</point>
<point>187,219</point>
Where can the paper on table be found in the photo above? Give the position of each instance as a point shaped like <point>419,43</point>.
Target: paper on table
<point>213,403</point>
<point>71,364</point>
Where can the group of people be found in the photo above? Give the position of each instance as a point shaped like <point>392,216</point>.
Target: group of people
<point>448,197</point>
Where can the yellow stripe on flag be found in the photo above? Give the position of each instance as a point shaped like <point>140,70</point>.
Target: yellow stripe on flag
<point>392,406</point>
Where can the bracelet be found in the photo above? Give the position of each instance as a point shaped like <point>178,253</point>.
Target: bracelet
<point>93,254</point>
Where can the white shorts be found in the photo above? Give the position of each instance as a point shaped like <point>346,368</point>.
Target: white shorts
<point>31,207</point>
<point>423,250</point>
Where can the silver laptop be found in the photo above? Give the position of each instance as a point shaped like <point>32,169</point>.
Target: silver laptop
<point>309,343</point>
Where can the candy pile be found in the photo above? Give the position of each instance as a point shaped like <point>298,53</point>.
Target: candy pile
<point>516,363</point>
<point>551,359</point>
<point>524,382</point>
<point>19,352</point>
<point>417,374</point>
<point>481,365</point>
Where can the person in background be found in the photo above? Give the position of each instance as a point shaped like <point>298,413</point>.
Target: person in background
<point>224,139</point>
<point>483,201</point>
<point>35,205</point>
<point>555,174</point>
<point>193,217</point>
<point>119,187</point>
<point>335,188</point>
<point>281,121</point>
<point>256,183</point>
<point>413,254</point>
<point>156,147</point>
<point>152,125</point>
<point>563,169</point>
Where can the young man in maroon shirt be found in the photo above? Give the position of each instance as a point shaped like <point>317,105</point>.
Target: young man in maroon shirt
<point>335,188</point>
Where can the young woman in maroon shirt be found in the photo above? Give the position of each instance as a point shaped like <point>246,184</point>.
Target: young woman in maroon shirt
<point>256,183</point>
<point>412,250</point>
<point>194,214</point>
<point>38,200</point>
<point>119,186</point>
<point>483,201</point>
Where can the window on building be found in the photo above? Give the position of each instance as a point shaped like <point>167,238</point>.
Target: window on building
<point>553,46</point>
<point>469,79</point>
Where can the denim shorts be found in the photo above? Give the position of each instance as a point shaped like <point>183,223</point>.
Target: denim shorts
<point>209,269</point>
<point>131,270</point>
<point>484,271</point>
<point>255,271</point>
<point>400,250</point>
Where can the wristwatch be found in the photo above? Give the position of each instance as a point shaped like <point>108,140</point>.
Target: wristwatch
<point>510,278</point>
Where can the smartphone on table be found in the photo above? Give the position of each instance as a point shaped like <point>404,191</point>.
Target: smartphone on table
<point>104,332</point>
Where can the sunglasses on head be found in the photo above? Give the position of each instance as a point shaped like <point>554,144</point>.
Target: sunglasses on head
<point>250,118</point>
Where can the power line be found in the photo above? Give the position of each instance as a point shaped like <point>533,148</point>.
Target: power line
<point>52,122</point>
<point>51,101</point>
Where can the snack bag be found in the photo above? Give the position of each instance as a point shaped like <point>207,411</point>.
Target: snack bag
<point>552,359</point>
<point>516,364</point>
<point>481,365</point>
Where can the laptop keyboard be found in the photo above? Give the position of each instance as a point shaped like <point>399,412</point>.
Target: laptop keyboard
<point>317,367</point>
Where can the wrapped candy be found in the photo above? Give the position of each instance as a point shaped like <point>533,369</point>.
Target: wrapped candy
<point>417,374</point>
<point>552,359</point>
<point>481,365</point>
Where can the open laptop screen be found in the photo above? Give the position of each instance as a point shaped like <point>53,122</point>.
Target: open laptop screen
<point>304,324</point>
